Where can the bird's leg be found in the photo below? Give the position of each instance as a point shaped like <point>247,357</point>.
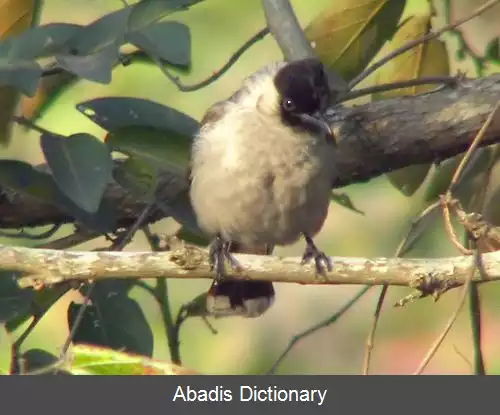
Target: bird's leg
<point>320,259</point>
<point>219,251</point>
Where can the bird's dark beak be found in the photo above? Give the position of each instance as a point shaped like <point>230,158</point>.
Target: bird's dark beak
<point>318,121</point>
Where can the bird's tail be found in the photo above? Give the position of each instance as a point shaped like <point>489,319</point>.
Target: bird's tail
<point>247,299</point>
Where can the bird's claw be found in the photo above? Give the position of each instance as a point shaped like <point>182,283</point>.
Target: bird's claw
<point>219,252</point>
<point>321,260</point>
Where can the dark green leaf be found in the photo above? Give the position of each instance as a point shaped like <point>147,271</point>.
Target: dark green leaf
<point>138,176</point>
<point>96,67</point>
<point>21,177</point>
<point>14,301</point>
<point>81,166</point>
<point>191,237</point>
<point>147,12</point>
<point>181,210</point>
<point>41,360</point>
<point>5,351</point>
<point>344,200</point>
<point>54,321</point>
<point>163,149</point>
<point>106,31</point>
<point>169,41</point>
<point>409,179</point>
<point>115,113</point>
<point>9,98</point>
<point>41,302</point>
<point>115,319</point>
<point>41,41</point>
<point>23,75</point>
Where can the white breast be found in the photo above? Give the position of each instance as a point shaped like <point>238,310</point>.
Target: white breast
<point>255,181</point>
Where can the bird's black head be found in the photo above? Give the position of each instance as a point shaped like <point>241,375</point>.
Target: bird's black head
<point>304,94</point>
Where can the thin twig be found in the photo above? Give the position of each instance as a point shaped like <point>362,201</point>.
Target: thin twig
<point>440,80</point>
<point>160,292</point>
<point>475,320</point>
<point>216,75</point>
<point>447,198</point>
<point>400,252</point>
<point>34,237</point>
<point>450,230</point>
<point>371,334</point>
<point>475,143</point>
<point>31,125</point>
<point>432,351</point>
<point>367,72</point>
<point>325,323</point>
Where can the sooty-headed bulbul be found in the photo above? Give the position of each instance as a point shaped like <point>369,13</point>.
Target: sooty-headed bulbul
<point>261,172</point>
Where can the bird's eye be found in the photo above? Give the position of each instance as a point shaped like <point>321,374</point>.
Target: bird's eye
<point>288,105</point>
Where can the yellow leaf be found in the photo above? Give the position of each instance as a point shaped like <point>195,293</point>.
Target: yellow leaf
<point>348,35</point>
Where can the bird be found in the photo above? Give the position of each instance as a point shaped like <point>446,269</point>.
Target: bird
<point>260,175</point>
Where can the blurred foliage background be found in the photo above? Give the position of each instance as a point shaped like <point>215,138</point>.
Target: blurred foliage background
<point>218,28</point>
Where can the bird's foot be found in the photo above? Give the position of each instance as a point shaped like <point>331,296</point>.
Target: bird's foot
<point>320,259</point>
<point>219,252</point>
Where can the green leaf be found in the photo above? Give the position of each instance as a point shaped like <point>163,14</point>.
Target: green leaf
<point>96,67</point>
<point>441,177</point>
<point>113,113</point>
<point>9,98</point>
<point>195,238</point>
<point>138,176</point>
<point>55,322</point>
<point>23,178</point>
<point>40,41</point>
<point>14,300</point>
<point>163,149</point>
<point>116,319</point>
<point>427,59</point>
<point>81,166</point>
<point>106,31</point>
<point>409,179</point>
<point>23,75</point>
<point>147,12</point>
<point>92,360</point>
<point>5,351</point>
<point>180,208</point>
<point>349,33</point>
<point>344,200</point>
<point>169,41</point>
<point>41,302</point>
<point>38,359</point>
<point>15,17</point>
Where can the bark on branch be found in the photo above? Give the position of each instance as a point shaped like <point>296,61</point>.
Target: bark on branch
<point>373,139</point>
<point>431,276</point>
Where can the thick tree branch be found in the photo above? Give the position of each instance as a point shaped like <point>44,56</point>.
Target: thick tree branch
<point>431,276</point>
<point>373,139</point>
